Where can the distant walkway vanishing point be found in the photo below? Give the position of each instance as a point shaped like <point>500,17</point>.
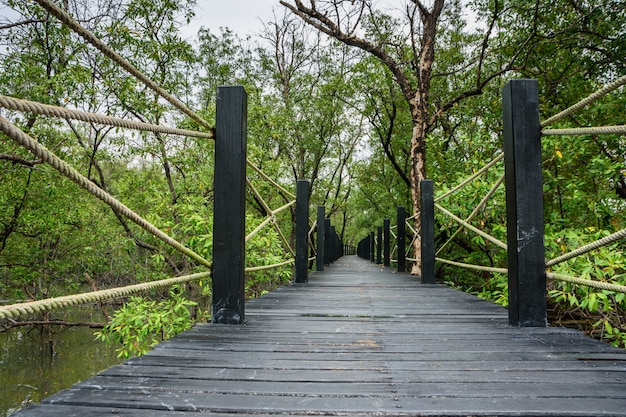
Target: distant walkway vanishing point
<point>360,340</point>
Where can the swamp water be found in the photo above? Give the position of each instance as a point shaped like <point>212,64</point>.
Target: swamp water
<point>35,364</point>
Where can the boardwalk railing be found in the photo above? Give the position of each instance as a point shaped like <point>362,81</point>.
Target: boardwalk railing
<point>526,263</point>
<point>227,269</point>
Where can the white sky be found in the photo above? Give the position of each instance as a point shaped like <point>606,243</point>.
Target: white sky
<point>242,16</point>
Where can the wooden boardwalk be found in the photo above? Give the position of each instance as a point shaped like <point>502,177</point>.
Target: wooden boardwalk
<point>360,341</point>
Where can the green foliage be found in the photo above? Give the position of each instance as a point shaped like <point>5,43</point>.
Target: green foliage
<point>317,110</point>
<point>600,312</point>
<point>142,323</point>
<point>496,289</point>
<point>265,249</point>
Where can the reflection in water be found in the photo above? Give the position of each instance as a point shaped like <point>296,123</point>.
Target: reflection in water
<point>35,363</point>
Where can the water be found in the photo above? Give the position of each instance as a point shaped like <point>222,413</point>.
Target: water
<point>35,364</point>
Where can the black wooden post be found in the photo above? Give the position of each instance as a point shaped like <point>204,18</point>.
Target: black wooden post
<point>302,232</point>
<point>379,245</point>
<point>372,247</point>
<point>364,248</point>
<point>524,204</point>
<point>319,260</point>
<point>401,239</point>
<point>386,245</point>
<point>229,216</point>
<point>428,232</point>
<point>333,244</point>
<point>327,242</point>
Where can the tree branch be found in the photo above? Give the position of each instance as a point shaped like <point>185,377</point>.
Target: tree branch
<point>322,23</point>
<point>14,323</point>
<point>18,160</point>
<point>21,23</point>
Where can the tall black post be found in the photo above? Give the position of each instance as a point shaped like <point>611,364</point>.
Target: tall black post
<point>524,204</point>
<point>327,242</point>
<point>401,239</point>
<point>386,245</point>
<point>364,248</point>
<point>321,235</point>
<point>333,244</point>
<point>372,247</point>
<point>229,214</point>
<point>302,232</point>
<point>428,232</point>
<point>379,245</point>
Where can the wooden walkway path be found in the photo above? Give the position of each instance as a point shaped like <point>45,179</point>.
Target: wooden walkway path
<point>360,341</point>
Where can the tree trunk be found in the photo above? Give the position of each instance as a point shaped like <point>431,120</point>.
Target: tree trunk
<point>328,20</point>
<point>418,173</point>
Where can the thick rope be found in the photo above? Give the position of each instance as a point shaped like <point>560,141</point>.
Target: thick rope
<point>268,219</point>
<point>588,248</point>
<point>600,130</point>
<point>471,178</point>
<point>587,282</point>
<point>311,243</point>
<point>16,104</point>
<point>586,101</point>
<point>16,310</point>
<point>285,207</point>
<point>104,48</point>
<point>472,228</point>
<point>45,155</point>
<point>478,208</point>
<point>266,267</point>
<point>268,179</point>
<point>476,267</point>
<point>413,231</point>
<point>258,229</point>
<point>272,215</point>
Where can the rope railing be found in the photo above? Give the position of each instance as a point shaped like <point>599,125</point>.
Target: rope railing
<point>313,223</point>
<point>588,248</point>
<point>474,213</point>
<point>268,267</point>
<point>470,178</point>
<point>587,282</point>
<point>471,266</point>
<point>65,169</point>
<point>411,228</point>
<point>465,223</point>
<point>490,238</point>
<point>600,130</point>
<point>271,215</point>
<point>21,105</point>
<point>115,57</point>
<point>270,218</point>
<point>40,151</point>
<point>270,180</point>
<point>32,307</point>
<point>586,101</point>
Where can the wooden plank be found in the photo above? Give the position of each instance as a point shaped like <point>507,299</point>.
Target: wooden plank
<point>360,340</point>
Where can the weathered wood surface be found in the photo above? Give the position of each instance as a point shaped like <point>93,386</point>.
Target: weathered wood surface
<point>358,340</point>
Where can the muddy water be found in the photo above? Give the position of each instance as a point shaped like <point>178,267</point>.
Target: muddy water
<point>35,364</point>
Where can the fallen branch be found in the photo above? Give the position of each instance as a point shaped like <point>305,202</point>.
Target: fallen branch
<point>10,323</point>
